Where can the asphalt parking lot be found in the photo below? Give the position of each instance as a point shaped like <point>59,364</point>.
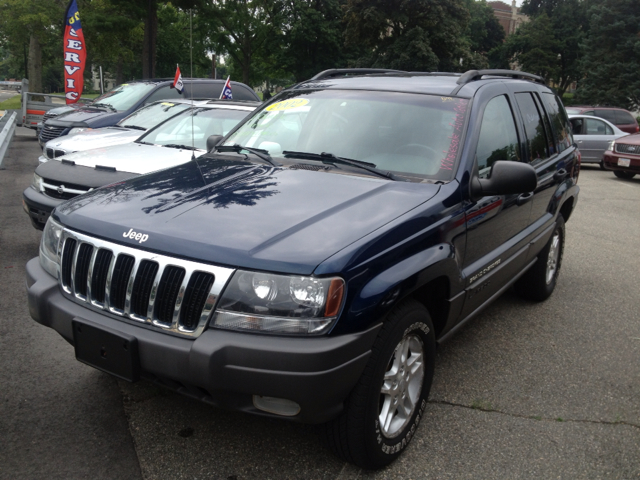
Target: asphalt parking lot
<point>526,391</point>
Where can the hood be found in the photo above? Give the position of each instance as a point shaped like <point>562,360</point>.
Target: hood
<point>228,212</point>
<point>65,109</point>
<point>131,157</point>
<point>83,115</point>
<point>633,139</point>
<point>101,137</point>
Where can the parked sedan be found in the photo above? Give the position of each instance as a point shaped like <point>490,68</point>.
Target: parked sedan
<point>593,136</point>
<point>125,131</point>
<point>623,157</point>
<point>171,143</point>
<point>623,119</point>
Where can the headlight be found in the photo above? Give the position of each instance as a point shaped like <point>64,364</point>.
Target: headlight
<point>50,247</point>
<point>36,182</point>
<point>73,131</point>
<point>267,303</point>
<point>611,144</point>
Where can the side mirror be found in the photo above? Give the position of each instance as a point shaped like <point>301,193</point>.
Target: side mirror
<point>212,141</point>
<point>506,178</point>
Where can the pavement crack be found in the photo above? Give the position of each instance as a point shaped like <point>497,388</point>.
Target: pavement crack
<point>534,417</point>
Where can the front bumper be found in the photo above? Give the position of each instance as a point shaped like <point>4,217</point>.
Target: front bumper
<point>38,206</point>
<point>610,162</point>
<point>221,367</point>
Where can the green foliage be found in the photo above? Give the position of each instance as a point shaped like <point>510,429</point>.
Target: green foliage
<point>611,62</point>
<point>419,35</point>
<point>484,31</point>
<point>549,44</point>
<point>309,38</point>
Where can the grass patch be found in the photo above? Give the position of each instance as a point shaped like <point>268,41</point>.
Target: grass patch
<point>11,103</point>
<point>15,102</point>
<point>559,419</point>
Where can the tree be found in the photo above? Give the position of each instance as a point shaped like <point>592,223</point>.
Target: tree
<point>239,28</point>
<point>413,35</point>
<point>307,37</point>
<point>484,31</point>
<point>611,62</point>
<point>549,45</point>
<point>114,37</point>
<point>34,26</point>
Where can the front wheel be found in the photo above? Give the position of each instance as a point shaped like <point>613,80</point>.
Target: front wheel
<point>540,280</point>
<point>624,175</point>
<point>383,411</point>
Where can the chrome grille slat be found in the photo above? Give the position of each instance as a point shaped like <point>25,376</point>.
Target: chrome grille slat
<point>161,284</point>
<point>154,290</point>
<point>176,311</point>
<point>132,279</point>
<point>72,285</point>
<point>92,263</point>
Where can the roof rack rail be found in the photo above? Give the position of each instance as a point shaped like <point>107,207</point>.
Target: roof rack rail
<point>345,72</point>
<point>472,75</point>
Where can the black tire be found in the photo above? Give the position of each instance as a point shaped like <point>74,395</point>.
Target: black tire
<point>624,175</point>
<point>357,435</point>
<point>539,281</point>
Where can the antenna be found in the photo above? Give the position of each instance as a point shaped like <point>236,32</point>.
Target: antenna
<point>193,152</point>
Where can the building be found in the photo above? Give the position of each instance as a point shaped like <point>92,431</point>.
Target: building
<point>509,16</point>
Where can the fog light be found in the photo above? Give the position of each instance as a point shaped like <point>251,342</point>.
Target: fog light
<point>279,406</point>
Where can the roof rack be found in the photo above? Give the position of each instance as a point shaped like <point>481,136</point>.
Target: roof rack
<point>345,72</point>
<point>473,75</point>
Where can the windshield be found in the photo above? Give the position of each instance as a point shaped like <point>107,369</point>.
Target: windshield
<point>205,121</point>
<point>398,132</point>
<point>125,96</point>
<point>151,115</point>
<point>573,111</point>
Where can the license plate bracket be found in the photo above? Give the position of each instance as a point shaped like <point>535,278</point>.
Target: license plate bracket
<point>624,162</point>
<point>107,350</point>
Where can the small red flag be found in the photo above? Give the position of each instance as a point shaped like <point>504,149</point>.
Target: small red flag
<point>177,81</point>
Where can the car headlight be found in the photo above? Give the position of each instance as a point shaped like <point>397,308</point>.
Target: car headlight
<point>268,303</point>
<point>610,146</point>
<point>50,247</point>
<point>75,130</point>
<point>36,182</point>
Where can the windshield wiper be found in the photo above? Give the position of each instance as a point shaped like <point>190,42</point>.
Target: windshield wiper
<point>144,143</point>
<point>135,127</point>
<point>325,157</point>
<point>106,105</point>
<point>185,147</point>
<point>258,152</point>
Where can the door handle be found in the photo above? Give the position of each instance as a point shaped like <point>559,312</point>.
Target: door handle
<point>579,141</point>
<point>560,175</point>
<point>524,198</point>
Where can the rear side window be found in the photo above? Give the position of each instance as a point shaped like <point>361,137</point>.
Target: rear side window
<point>498,137</point>
<point>163,93</point>
<point>213,90</point>
<point>559,122</point>
<point>597,127</point>
<point>623,118</point>
<point>607,114</point>
<point>533,127</point>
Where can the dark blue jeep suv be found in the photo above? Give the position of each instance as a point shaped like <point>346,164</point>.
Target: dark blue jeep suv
<point>309,264</point>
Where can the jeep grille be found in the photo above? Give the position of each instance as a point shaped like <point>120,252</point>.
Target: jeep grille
<point>167,293</point>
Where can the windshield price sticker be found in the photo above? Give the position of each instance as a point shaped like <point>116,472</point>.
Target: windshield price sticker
<point>287,104</point>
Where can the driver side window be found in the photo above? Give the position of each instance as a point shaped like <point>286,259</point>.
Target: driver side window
<point>498,136</point>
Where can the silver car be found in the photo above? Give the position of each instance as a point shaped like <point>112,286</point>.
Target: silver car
<point>593,135</point>
<point>126,131</point>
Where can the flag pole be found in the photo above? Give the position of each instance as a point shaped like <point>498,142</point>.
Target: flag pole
<point>193,152</point>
